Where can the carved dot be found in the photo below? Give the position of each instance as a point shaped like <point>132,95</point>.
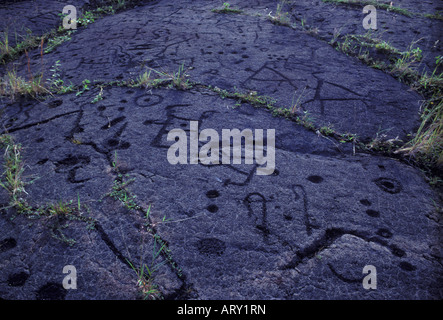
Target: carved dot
<point>385,233</point>
<point>396,251</point>
<point>125,145</point>
<point>7,244</point>
<point>212,194</point>
<point>51,291</point>
<point>71,161</point>
<point>17,279</point>
<point>373,213</point>
<point>388,185</point>
<point>365,202</point>
<point>148,101</point>
<point>315,179</point>
<point>39,140</point>
<point>112,142</point>
<point>407,266</point>
<point>211,246</point>
<point>212,208</point>
<point>101,108</point>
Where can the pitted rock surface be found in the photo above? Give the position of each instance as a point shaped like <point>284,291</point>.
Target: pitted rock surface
<point>306,231</point>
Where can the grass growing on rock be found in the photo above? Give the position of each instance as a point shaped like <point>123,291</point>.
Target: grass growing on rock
<point>56,36</point>
<point>280,17</point>
<point>12,177</point>
<point>426,147</point>
<point>14,86</point>
<point>178,80</point>
<point>120,192</point>
<point>226,8</point>
<point>146,272</point>
<point>427,144</point>
<point>390,7</point>
<point>56,216</point>
<point>9,53</point>
<point>376,4</point>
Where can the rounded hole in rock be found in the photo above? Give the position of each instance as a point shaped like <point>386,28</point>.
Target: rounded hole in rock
<point>212,208</point>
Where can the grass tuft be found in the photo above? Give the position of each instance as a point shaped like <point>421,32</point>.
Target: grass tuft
<point>56,215</point>
<point>145,273</point>
<point>226,8</point>
<point>376,4</point>
<point>280,17</point>
<point>178,80</point>
<point>12,177</point>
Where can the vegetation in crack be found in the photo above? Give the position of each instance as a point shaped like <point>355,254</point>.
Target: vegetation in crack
<point>226,8</point>
<point>55,37</point>
<point>147,289</point>
<point>55,216</point>
<point>426,145</point>
<point>390,7</point>
<point>425,148</point>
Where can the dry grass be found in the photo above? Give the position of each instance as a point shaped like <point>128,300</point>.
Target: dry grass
<point>13,85</point>
<point>427,144</point>
<point>12,178</point>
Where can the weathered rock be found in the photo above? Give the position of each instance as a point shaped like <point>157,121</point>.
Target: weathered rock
<point>306,231</point>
